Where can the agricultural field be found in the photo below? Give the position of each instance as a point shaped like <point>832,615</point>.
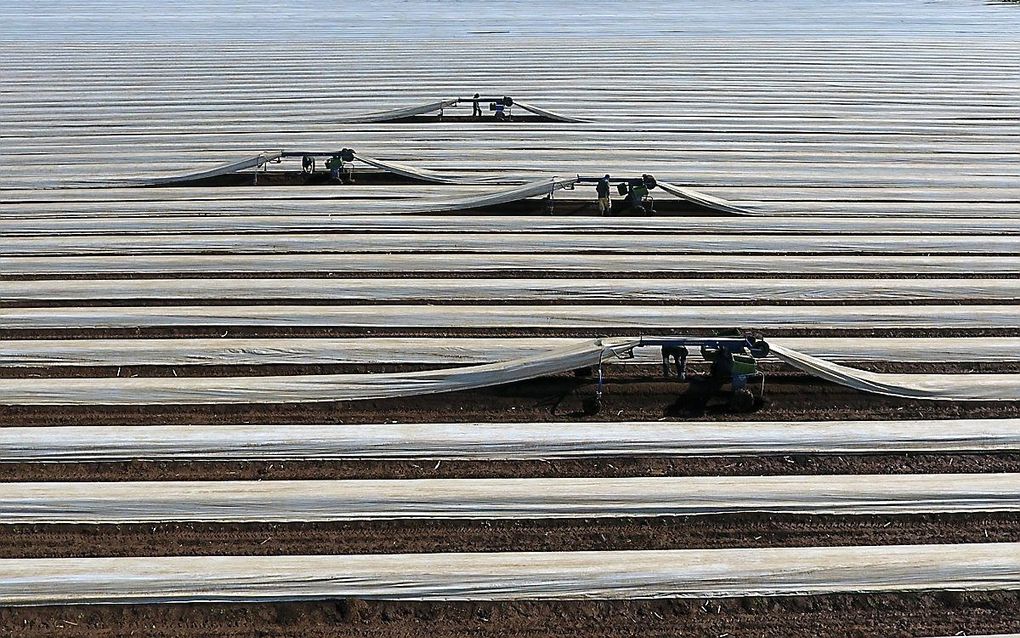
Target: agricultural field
<point>294,341</point>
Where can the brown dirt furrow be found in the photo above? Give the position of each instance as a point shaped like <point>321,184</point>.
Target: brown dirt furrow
<point>388,537</point>
<point>604,467</point>
<point>833,616</point>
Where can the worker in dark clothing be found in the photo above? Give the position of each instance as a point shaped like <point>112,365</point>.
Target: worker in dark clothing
<point>307,164</point>
<point>637,191</point>
<point>347,162</point>
<point>602,190</point>
<point>476,108</point>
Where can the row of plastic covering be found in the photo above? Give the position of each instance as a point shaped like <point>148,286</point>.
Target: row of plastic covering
<point>495,264</point>
<point>410,316</point>
<point>360,199</point>
<point>696,573</point>
<point>453,350</point>
<point>502,441</point>
<point>502,498</point>
<point>349,387</point>
<point>564,291</point>
<point>138,217</point>
<point>300,388</point>
<point>275,243</point>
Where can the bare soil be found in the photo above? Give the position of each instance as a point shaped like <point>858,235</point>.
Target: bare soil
<point>835,616</point>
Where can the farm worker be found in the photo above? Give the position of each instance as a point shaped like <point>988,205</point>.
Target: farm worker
<point>476,108</point>
<point>602,190</point>
<point>335,164</point>
<point>347,158</point>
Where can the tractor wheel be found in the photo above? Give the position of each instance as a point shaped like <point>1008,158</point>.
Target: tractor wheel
<point>742,400</point>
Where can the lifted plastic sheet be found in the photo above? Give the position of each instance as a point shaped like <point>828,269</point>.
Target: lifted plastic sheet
<point>502,441</point>
<point>426,175</point>
<point>302,388</point>
<point>399,114</point>
<point>254,162</point>
<point>552,115</point>
<point>706,200</point>
<point>937,387</point>
<point>696,573</point>
<point>539,188</point>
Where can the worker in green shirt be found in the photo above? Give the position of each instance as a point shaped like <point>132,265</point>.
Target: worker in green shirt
<point>335,164</point>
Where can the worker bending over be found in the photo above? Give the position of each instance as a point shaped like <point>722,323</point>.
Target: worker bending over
<point>341,166</point>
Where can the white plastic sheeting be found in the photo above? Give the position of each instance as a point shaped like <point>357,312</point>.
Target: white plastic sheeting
<point>564,291</point>
<point>318,216</point>
<point>313,208</point>
<point>985,636</point>
<point>955,387</point>
<point>512,316</point>
<point>495,441</point>
<point>254,162</point>
<point>488,243</point>
<point>696,573</point>
<point>297,388</point>
<point>754,117</point>
<point>945,265</point>
<point>552,115</point>
<point>352,500</point>
<point>400,113</point>
<point>452,350</point>
<point>437,177</point>
<point>538,188</point>
<point>706,200</point>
